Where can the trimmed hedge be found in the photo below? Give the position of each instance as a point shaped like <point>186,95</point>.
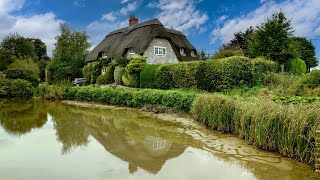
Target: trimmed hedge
<point>118,73</point>
<point>213,75</point>
<point>131,77</point>
<point>133,98</point>
<point>16,88</point>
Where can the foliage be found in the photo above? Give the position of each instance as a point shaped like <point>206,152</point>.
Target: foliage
<point>16,88</point>
<point>53,92</point>
<point>87,72</point>
<point>228,52</point>
<point>305,50</point>
<point>121,61</point>
<point>286,129</point>
<point>69,54</point>
<point>261,67</point>
<point>272,39</point>
<point>239,40</point>
<point>184,75</point>
<point>5,59</point>
<point>118,73</point>
<point>164,77</point>
<point>295,99</point>
<point>18,46</point>
<point>40,49</point>
<point>107,77</point>
<point>296,66</point>
<point>22,74</point>
<point>148,76</point>
<point>26,64</point>
<point>312,80</point>
<point>132,72</point>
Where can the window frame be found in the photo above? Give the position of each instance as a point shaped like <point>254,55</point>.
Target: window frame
<point>131,51</point>
<point>193,53</point>
<point>104,54</point>
<point>183,51</point>
<point>157,51</point>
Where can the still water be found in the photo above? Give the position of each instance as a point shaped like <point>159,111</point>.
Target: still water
<point>57,141</point>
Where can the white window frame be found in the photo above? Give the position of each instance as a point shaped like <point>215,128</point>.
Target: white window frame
<point>160,51</point>
<point>183,51</point>
<point>104,54</point>
<point>131,51</point>
<point>103,70</point>
<point>193,53</point>
<point>159,145</point>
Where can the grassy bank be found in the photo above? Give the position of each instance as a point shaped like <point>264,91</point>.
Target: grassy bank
<point>285,129</point>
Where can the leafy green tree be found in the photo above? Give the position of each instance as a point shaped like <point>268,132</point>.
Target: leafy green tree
<point>239,40</point>
<point>40,49</point>
<point>5,59</point>
<point>19,46</point>
<point>305,50</point>
<point>69,55</point>
<point>272,39</point>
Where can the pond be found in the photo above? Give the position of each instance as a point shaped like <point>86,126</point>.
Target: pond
<point>54,140</point>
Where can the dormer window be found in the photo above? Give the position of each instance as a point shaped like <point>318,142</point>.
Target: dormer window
<point>193,53</point>
<point>104,54</point>
<point>131,51</point>
<point>183,51</point>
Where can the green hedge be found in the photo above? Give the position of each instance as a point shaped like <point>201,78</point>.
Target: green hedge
<point>26,74</point>
<point>286,129</point>
<point>312,80</point>
<point>118,73</point>
<point>134,98</point>
<point>132,72</point>
<point>213,75</point>
<point>148,76</point>
<point>16,88</point>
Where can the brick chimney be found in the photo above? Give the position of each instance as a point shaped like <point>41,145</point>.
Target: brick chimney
<point>133,21</point>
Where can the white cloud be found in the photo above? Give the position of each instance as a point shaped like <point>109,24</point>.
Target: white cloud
<point>124,1</point>
<point>129,8</point>
<point>43,26</point>
<point>304,15</point>
<point>109,17</point>
<point>182,15</point>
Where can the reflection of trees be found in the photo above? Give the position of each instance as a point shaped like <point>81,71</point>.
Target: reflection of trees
<point>69,126</point>
<point>18,117</point>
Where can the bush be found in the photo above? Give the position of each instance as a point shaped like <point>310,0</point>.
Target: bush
<point>133,70</point>
<point>52,92</point>
<point>88,71</point>
<point>312,80</point>
<point>148,76</point>
<point>22,74</point>
<point>261,67</point>
<point>296,66</point>
<point>164,78</point>
<point>184,74</point>
<point>218,75</point>
<point>223,53</point>
<point>107,77</point>
<point>16,88</point>
<point>118,73</point>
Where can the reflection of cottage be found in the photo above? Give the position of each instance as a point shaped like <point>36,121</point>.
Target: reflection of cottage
<point>149,39</point>
<point>150,153</point>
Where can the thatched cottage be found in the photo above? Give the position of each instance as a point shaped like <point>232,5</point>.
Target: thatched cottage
<point>149,39</point>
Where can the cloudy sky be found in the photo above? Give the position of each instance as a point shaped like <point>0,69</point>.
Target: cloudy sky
<point>207,23</point>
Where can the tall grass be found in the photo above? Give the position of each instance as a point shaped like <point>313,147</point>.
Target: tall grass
<point>286,129</point>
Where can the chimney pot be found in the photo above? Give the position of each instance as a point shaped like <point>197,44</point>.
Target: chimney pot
<point>133,21</point>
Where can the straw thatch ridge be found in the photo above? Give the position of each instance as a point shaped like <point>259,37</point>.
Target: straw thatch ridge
<point>138,37</point>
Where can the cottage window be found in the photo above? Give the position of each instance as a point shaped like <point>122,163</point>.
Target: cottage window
<point>104,54</point>
<point>183,51</point>
<point>159,145</point>
<point>160,51</point>
<point>193,53</point>
<point>131,51</point>
<point>103,70</point>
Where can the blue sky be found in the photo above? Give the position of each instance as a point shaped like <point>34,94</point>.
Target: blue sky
<point>207,23</point>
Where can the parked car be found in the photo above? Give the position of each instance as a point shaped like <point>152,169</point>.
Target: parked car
<point>78,81</point>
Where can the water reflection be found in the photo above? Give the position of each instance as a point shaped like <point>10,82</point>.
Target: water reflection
<point>21,117</point>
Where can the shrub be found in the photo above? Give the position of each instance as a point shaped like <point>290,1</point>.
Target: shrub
<point>296,66</point>
<point>164,78</point>
<point>218,75</point>
<point>118,73</point>
<point>148,76</point>
<point>133,70</point>
<point>22,74</point>
<point>2,76</point>
<point>107,77</point>
<point>16,88</point>
<point>121,61</point>
<point>88,71</point>
<point>52,92</point>
<point>312,80</point>
<point>261,67</point>
<point>184,74</point>
<point>223,53</point>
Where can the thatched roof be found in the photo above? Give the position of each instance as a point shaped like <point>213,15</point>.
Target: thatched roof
<point>138,37</point>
